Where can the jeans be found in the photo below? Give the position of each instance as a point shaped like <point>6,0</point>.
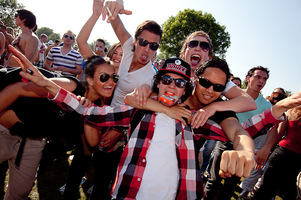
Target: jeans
<point>214,188</point>
<point>105,166</point>
<point>282,170</point>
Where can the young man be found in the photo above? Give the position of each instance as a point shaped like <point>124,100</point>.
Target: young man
<point>39,62</point>
<point>27,42</point>
<point>176,154</point>
<point>64,59</point>
<point>233,162</point>
<point>256,80</point>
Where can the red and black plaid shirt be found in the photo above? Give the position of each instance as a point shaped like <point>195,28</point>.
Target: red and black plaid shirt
<point>132,163</point>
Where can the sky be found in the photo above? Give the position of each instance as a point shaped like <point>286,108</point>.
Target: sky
<point>265,33</point>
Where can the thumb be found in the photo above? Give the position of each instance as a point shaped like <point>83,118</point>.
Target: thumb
<point>127,12</point>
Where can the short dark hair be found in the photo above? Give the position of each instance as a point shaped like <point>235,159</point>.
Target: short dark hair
<point>214,62</point>
<point>101,40</point>
<point>30,18</point>
<point>150,26</point>
<point>252,70</point>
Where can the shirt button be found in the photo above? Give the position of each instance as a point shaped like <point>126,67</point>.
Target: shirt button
<point>139,179</point>
<point>143,160</point>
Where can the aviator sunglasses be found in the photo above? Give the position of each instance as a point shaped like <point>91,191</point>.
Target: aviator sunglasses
<point>71,37</point>
<point>104,77</point>
<point>167,80</point>
<point>204,45</point>
<point>207,84</point>
<point>152,45</point>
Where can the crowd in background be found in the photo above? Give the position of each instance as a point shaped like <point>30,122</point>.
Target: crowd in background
<point>129,71</point>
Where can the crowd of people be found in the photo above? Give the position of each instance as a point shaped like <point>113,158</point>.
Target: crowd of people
<point>177,128</point>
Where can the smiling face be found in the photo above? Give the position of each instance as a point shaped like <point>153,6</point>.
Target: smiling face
<point>208,95</point>
<point>196,56</point>
<point>171,88</point>
<point>116,57</point>
<point>142,55</point>
<point>97,88</point>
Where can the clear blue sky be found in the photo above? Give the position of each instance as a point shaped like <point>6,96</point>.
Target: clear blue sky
<point>265,33</point>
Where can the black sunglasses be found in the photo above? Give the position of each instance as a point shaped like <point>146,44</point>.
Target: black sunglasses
<point>167,80</point>
<point>152,45</point>
<point>71,37</point>
<point>16,15</point>
<point>194,43</point>
<point>104,77</point>
<point>207,84</point>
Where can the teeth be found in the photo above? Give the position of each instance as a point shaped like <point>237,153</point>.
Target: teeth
<point>108,87</point>
<point>195,56</point>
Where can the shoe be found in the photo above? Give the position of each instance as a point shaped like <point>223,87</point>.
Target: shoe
<point>62,189</point>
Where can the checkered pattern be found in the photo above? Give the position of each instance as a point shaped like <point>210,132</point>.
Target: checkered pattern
<point>131,166</point>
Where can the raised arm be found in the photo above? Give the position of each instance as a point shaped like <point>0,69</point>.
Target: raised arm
<point>84,34</point>
<point>116,8</point>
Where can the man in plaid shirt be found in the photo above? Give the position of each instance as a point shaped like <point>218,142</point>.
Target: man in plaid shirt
<point>131,186</point>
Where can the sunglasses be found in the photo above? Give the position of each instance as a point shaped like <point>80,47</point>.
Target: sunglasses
<point>152,45</point>
<point>104,77</point>
<point>71,37</point>
<point>167,80</point>
<point>207,84</point>
<point>204,45</point>
<point>16,15</point>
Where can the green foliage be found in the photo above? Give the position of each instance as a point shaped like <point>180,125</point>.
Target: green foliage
<point>177,28</point>
<point>44,30</point>
<point>8,10</point>
<point>54,36</point>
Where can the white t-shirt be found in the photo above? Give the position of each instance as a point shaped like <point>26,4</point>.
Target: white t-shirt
<point>161,175</point>
<point>128,81</point>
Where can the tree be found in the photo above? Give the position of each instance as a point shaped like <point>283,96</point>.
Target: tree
<point>54,36</point>
<point>8,10</point>
<point>177,28</point>
<point>44,30</point>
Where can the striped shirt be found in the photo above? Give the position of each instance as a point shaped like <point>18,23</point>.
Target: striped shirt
<point>69,60</point>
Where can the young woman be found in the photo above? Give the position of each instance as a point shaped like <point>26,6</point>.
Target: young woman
<point>100,80</point>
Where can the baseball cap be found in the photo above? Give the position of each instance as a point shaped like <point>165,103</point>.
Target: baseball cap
<point>177,66</point>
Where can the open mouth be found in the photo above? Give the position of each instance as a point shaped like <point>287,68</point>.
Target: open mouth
<point>195,59</point>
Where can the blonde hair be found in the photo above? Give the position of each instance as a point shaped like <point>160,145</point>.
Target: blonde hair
<point>197,33</point>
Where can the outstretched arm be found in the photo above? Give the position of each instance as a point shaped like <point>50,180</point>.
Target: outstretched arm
<point>115,8</point>
<point>239,101</point>
<point>176,112</point>
<point>84,34</point>
<point>240,161</point>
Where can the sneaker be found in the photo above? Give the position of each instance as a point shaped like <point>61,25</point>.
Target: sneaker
<point>62,189</point>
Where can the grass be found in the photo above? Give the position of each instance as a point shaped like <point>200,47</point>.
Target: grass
<point>52,175</point>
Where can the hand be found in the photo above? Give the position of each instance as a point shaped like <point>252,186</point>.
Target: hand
<point>261,157</point>
<point>179,112</point>
<point>239,163</point>
<point>97,7</point>
<point>37,77</point>
<point>141,94</point>
<point>110,138</point>
<point>85,102</point>
<point>115,8</point>
<point>201,116</point>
